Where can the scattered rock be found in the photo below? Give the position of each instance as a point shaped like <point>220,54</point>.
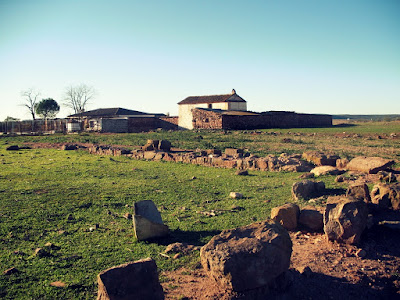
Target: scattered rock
<point>311,218</point>
<point>369,165</point>
<point>133,280</point>
<point>286,215</point>
<point>340,178</point>
<point>12,148</point>
<point>345,219</point>
<point>179,248</point>
<point>128,216</point>
<point>147,221</point>
<point>326,170</point>
<point>248,257</point>
<point>359,191</point>
<point>341,163</point>
<point>386,195</point>
<point>59,284</point>
<point>307,175</point>
<point>236,195</point>
<point>234,152</point>
<point>69,147</point>
<point>306,189</point>
<point>40,252</point>
<point>387,177</point>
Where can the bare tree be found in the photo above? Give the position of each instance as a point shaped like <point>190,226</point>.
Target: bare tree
<point>77,97</point>
<point>31,97</point>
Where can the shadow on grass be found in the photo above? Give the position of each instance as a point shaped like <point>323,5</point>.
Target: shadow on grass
<point>195,238</point>
<point>343,125</point>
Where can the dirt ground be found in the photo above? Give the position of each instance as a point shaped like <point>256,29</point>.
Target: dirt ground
<point>319,270</point>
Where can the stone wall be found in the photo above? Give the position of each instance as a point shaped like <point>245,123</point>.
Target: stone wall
<point>203,119</point>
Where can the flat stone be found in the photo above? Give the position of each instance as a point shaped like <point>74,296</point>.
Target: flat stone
<point>286,215</point>
<point>326,170</point>
<point>370,165</point>
<point>311,218</point>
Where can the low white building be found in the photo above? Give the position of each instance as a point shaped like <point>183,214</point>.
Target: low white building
<point>224,102</point>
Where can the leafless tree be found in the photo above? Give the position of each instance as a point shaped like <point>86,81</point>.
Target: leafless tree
<point>31,98</point>
<point>77,97</point>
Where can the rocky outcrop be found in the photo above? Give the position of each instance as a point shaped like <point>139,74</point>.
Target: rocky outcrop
<point>248,257</point>
<point>147,222</point>
<point>307,189</point>
<point>345,219</point>
<point>287,215</point>
<point>370,165</point>
<point>133,280</point>
<point>386,196</point>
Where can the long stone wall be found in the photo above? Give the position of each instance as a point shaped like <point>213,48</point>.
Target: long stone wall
<point>206,119</point>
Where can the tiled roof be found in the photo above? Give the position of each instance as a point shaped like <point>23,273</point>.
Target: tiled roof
<point>212,99</point>
<point>109,112</point>
<point>230,112</point>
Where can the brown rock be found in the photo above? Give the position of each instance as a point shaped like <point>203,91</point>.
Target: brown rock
<point>59,284</point>
<point>234,152</point>
<point>387,177</point>
<point>345,219</point>
<point>320,158</point>
<point>248,257</point>
<point>133,280</point>
<point>236,195</point>
<point>242,172</point>
<point>311,218</point>
<point>341,163</point>
<point>286,215</point>
<point>306,189</point>
<point>370,165</point>
<point>386,195</point>
<point>359,191</point>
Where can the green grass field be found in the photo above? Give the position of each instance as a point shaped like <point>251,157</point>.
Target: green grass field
<point>77,201</point>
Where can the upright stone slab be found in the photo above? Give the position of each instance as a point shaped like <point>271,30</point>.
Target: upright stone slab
<point>147,221</point>
<point>133,280</point>
<point>359,191</point>
<point>248,257</point>
<point>345,219</point>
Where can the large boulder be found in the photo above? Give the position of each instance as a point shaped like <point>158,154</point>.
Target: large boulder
<point>370,165</point>
<point>359,191</point>
<point>320,158</point>
<point>133,280</point>
<point>386,195</point>
<point>345,219</point>
<point>306,189</point>
<point>248,257</point>
<point>286,215</point>
<point>147,221</point>
<point>311,218</point>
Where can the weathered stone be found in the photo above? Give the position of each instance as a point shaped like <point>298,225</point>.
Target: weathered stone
<point>133,280</point>
<point>386,195</point>
<point>147,221</point>
<point>248,257</point>
<point>340,178</point>
<point>326,170</point>
<point>234,152</point>
<point>286,215</point>
<point>341,163</point>
<point>149,155</point>
<point>179,248</point>
<point>311,218</point>
<point>359,191</point>
<point>370,165</point>
<point>69,147</point>
<point>164,145</point>
<point>236,195</point>
<point>320,159</point>
<point>306,189</point>
<point>345,219</point>
<point>307,175</point>
<point>58,284</point>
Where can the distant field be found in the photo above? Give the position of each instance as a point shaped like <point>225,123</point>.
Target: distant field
<point>55,196</point>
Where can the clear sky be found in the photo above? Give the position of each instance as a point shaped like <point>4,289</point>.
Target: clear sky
<point>311,56</point>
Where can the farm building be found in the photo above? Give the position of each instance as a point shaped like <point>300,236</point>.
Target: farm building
<point>227,102</point>
<point>117,120</point>
<point>230,112</point>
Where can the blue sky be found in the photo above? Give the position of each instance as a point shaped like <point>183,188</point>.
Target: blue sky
<point>332,57</point>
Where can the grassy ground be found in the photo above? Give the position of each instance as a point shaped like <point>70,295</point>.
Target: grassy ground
<point>77,201</point>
